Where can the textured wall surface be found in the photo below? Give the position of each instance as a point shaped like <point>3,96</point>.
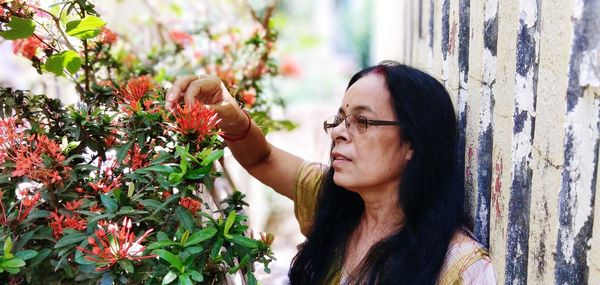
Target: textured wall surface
<point>524,76</point>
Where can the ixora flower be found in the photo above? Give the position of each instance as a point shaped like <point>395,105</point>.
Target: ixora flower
<point>195,119</point>
<point>249,97</point>
<point>189,203</point>
<point>133,91</point>
<point>181,38</point>
<point>40,159</point>
<point>28,47</point>
<point>107,36</point>
<point>60,222</point>
<point>114,244</point>
<point>25,207</point>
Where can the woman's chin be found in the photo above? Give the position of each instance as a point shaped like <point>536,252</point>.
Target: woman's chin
<point>342,180</point>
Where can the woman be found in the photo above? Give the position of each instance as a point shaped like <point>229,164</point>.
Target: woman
<point>389,209</point>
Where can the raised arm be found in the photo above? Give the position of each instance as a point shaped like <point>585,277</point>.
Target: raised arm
<point>272,166</point>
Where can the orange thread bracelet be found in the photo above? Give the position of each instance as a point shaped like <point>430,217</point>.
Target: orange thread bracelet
<point>244,135</point>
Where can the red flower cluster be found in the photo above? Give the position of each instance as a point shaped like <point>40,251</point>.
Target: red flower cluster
<point>191,204</point>
<point>11,136</point>
<point>114,244</point>
<point>103,185</point>
<point>195,119</point>
<point>135,158</point>
<point>249,97</point>
<point>27,204</point>
<point>107,180</point>
<point>31,160</point>
<point>181,38</point>
<point>133,91</point>
<point>60,222</point>
<point>107,36</point>
<point>289,67</point>
<point>27,47</point>
<point>73,205</point>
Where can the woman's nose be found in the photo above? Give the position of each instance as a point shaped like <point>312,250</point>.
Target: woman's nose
<point>340,132</point>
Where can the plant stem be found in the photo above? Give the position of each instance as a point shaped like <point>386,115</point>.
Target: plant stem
<point>57,23</point>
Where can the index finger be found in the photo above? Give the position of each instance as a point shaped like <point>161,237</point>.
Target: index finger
<point>177,90</point>
<point>206,88</point>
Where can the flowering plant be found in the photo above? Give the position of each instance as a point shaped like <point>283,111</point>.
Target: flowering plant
<point>115,189</point>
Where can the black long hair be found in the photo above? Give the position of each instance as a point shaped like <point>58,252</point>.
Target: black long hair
<point>431,195</point>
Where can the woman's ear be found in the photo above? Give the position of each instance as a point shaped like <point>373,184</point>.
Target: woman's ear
<point>409,152</point>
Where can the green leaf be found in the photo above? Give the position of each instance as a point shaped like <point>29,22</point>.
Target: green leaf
<point>251,279</point>
<point>38,214</point>
<point>214,253</point>
<point>110,204</point>
<point>245,242</point>
<point>201,236</point>
<point>126,265</point>
<point>122,151</point>
<point>197,173</point>
<point>12,270</point>
<point>7,247</point>
<point>162,206</point>
<point>69,60</point>
<point>70,239</point>
<point>183,165</point>
<point>15,262</point>
<point>184,279</point>
<point>185,236</point>
<point>85,28</point>
<point>170,258</point>
<point>19,28</point>
<point>184,218</point>
<point>175,177</point>
<point>170,277</point>
<point>162,236</point>
<point>161,244</point>
<point>107,278</point>
<point>165,169</point>
<point>197,276</point>
<point>194,249</point>
<point>40,257</point>
<point>212,157</point>
<point>130,189</point>
<point>26,254</point>
<point>229,223</point>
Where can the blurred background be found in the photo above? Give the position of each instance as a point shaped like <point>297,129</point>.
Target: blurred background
<point>524,77</point>
<point>321,45</point>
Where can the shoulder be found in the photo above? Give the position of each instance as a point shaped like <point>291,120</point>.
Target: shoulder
<point>308,182</point>
<point>467,261</point>
<point>309,177</point>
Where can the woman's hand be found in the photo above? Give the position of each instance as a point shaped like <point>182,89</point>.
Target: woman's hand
<point>209,90</point>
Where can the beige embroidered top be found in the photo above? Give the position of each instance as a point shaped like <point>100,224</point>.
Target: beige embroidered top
<point>467,262</point>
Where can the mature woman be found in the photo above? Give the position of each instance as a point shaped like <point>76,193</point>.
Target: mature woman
<point>389,209</point>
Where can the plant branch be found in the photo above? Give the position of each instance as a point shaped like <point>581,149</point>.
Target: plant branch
<point>57,23</point>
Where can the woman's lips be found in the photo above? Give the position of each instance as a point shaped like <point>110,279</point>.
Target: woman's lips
<point>339,159</point>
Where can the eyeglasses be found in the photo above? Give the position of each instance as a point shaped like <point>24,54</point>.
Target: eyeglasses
<point>356,124</point>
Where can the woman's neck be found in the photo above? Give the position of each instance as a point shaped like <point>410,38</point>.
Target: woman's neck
<point>382,212</point>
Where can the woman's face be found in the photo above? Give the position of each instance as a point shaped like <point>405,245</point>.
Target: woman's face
<point>376,159</point>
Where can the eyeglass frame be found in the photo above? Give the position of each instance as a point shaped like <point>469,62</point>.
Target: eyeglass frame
<point>327,126</point>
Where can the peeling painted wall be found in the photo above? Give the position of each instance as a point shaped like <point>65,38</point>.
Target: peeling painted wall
<point>524,76</point>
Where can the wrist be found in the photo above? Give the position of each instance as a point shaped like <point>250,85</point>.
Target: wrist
<point>240,132</point>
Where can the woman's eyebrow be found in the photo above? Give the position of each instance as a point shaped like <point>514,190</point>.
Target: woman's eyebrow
<point>357,109</point>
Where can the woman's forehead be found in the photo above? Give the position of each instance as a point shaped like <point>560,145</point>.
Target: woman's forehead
<point>368,94</point>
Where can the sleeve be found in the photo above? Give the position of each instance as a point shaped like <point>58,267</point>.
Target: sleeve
<point>480,272</point>
<point>308,183</point>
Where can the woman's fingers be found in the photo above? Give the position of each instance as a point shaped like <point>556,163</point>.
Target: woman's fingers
<point>206,89</point>
<point>175,93</point>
